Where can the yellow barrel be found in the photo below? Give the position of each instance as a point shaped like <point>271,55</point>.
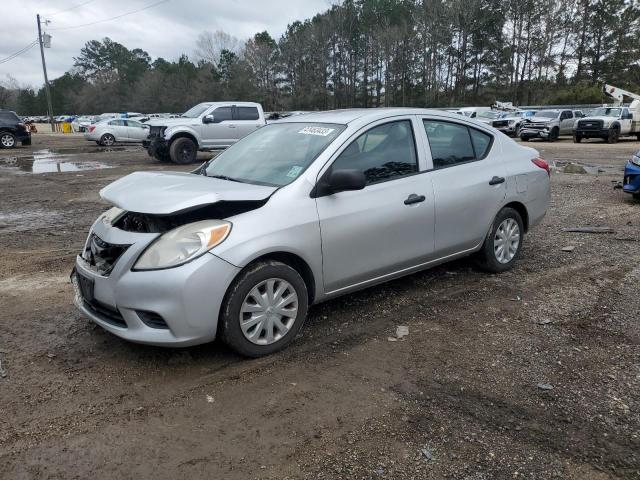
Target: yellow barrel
<point>66,127</point>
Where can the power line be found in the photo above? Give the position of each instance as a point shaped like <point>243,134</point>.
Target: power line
<point>19,52</point>
<point>72,7</point>
<point>112,18</point>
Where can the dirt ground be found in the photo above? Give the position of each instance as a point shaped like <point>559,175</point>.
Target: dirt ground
<point>532,374</point>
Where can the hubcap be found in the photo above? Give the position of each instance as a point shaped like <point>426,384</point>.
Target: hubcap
<point>7,140</point>
<point>506,240</point>
<point>108,140</point>
<point>269,311</point>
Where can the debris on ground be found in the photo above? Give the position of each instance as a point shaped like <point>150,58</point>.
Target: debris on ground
<point>545,386</point>
<point>426,453</point>
<point>589,229</point>
<point>544,321</point>
<point>3,372</point>
<point>568,248</point>
<point>210,399</point>
<point>574,168</point>
<point>402,331</point>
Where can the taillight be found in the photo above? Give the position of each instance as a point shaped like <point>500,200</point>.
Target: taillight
<point>91,128</point>
<point>538,162</point>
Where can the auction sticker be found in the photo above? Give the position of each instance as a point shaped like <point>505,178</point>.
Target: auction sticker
<point>320,131</point>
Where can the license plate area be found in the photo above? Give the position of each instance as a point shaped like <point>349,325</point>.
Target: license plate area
<point>85,287</point>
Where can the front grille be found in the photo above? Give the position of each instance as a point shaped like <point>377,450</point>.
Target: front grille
<point>590,124</point>
<point>105,313</point>
<point>102,256</point>
<point>500,123</point>
<point>156,131</point>
<point>536,126</point>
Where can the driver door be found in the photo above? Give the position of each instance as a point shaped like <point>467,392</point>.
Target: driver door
<point>388,226</point>
<point>220,133</point>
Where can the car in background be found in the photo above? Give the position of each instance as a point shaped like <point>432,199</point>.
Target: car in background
<point>631,182</point>
<point>13,130</point>
<point>548,125</point>
<point>82,123</point>
<point>300,211</point>
<point>472,112</point>
<point>206,126</point>
<point>117,130</point>
<point>487,117</point>
<point>509,123</point>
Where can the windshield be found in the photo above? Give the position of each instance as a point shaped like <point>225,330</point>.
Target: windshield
<point>605,112</point>
<point>274,155</point>
<point>488,115</point>
<point>547,114</point>
<point>195,112</point>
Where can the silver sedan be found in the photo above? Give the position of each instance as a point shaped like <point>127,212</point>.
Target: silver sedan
<point>117,130</point>
<point>300,211</point>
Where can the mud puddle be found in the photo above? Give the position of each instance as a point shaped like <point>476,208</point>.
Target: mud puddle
<point>49,161</point>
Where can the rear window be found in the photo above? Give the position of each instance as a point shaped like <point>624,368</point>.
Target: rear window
<point>248,113</point>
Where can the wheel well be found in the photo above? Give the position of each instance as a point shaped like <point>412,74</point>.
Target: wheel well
<point>296,262</point>
<point>184,135</point>
<point>522,210</point>
<point>616,126</point>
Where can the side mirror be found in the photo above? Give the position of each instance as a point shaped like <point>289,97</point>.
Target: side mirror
<point>209,118</point>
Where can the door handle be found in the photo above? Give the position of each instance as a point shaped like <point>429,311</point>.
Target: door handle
<point>496,180</point>
<point>413,198</point>
<point>232,126</point>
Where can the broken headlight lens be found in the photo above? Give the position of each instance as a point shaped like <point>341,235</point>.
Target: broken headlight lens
<point>183,244</point>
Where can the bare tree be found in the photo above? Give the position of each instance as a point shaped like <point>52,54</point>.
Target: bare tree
<point>209,45</point>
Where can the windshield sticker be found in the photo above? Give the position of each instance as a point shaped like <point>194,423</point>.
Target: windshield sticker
<point>294,171</point>
<point>321,131</point>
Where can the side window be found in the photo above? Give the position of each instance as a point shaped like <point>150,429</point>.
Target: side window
<point>383,153</point>
<point>117,123</point>
<point>133,123</point>
<point>221,114</point>
<point>247,113</point>
<point>625,112</point>
<point>481,143</point>
<point>450,143</point>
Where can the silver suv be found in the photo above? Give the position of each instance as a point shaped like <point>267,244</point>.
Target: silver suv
<point>549,125</point>
<point>207,126</point>
<point>300,211</point>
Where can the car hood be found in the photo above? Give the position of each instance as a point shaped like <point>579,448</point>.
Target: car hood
<point>169,122</point>
<point>603,118</point>
<point>161,193</point>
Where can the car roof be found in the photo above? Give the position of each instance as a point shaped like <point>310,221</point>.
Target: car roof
<point>363,114</point>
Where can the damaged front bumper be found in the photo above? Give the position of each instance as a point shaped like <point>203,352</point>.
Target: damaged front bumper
<point>156,147</point>
<point>168,307</point>
<point>534,133</point>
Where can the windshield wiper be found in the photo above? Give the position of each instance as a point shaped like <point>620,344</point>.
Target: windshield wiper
<point>224,177</point>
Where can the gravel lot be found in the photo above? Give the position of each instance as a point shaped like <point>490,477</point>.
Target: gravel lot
<point>530,374</point>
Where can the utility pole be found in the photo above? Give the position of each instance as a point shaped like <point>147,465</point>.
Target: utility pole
<point>46,79</point>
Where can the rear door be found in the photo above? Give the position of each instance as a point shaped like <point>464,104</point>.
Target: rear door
<point>118,129</point>
<point>469,183</point>
<point>220,133</point>
<point>566,122</point>
<point>246,120</point>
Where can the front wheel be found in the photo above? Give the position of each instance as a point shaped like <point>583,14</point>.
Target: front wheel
<point>614,135</point>
<point>554,134</point>
<point>503,243</point>
<point>577,138</point>
<point>183,151</point>
<point>264,309</point>
<point>7,140</point>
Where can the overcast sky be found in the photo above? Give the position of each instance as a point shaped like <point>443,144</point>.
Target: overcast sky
<point>166,30</point>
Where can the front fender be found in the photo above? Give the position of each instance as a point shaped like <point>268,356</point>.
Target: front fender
<point>171,132</point>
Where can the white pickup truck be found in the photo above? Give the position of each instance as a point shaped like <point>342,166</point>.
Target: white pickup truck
<point>609,123</point>
<point>207,126</point>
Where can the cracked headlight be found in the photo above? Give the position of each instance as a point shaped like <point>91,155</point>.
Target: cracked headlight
<point>183,244</point>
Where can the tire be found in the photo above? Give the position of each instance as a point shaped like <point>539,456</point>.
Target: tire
<point>7,140</point>
<point>162,157</point>
<point>107,140</point>
<point>488,257</point>
<point>555,133</point>
<point>183,151</point>
<point>524,139</point>
<point>614,135</point>
<point>638,137</point>
<point>577,138</point>
<point>242,292</point>
<point>636,196</point>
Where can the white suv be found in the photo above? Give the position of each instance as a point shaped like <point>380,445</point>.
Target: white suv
<point>207,126</point>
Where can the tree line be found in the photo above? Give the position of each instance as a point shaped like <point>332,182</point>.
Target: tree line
<point>371,53</point>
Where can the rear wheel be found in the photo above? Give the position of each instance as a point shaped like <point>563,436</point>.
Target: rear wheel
<point>614,135</point>
<point>107,140</point>
<point>503,243</point>
<point>264,309</point>
<point>7,140</point>
<point>183,151</point>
